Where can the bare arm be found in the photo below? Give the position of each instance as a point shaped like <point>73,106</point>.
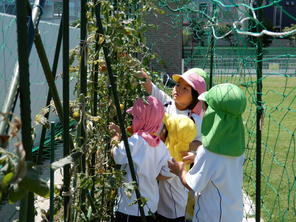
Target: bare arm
<point>116,137</point>
<point>161,177</point>
<point>182,177</point>
<point>148,83</point>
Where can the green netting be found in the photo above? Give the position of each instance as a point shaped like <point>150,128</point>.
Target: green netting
<point>226,31</point>
<point>212,29</point>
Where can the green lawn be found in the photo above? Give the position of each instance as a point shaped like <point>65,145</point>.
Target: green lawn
<point>278,186</point>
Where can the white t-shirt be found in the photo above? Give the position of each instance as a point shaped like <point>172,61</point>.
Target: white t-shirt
<point>148,163</point>
<point>173,195</point>
<point>217,182</point>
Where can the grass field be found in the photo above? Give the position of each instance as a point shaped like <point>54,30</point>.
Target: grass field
<point>278,174</point>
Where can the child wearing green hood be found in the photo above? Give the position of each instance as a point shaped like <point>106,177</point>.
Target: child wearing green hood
<point>217,174</point>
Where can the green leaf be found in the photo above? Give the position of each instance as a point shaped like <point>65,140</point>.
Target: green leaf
<point>6,179</point>
<point>16,194</point>
<point>32,182</point>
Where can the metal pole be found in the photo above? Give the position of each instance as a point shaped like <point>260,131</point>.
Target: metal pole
<point>83,74</point>
<point>27,203</point>
<point>49,95</point>
<point>50,80</point>
<point>83,49</point>
<point>66,108</point>
<point>259,110</point>
<point>83,90</point>
<point>51,201</point>
<point>95,76</point>
<point>212,53</point>
<point>48,74</point>
<point>119,115</point>
<point>14,85</point>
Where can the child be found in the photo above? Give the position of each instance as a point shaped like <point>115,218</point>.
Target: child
<point>149,155</point>
<point>217,173</point>
<point>184,98</point>
<point>180,131</point>
<point>184,101</point>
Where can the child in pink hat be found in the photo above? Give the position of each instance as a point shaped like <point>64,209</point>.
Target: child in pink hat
<point>184,101</point>
<point>149,154</point>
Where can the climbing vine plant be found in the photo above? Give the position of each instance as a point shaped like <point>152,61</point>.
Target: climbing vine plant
<point>122,32</point>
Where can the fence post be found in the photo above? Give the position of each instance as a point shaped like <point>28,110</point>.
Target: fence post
<point>51,201</point>
<point>66,136</point>
<point>259,112</point>
<point>48,74</point>
<point>212,52</point>
<point>49,95</point>
<point>94,111</point>
<point>82,95</point>
<point>27,203</point>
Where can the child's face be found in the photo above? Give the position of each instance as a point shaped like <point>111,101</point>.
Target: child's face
<point>182,94</point>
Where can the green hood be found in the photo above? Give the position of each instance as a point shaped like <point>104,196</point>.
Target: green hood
<point>222,127</point>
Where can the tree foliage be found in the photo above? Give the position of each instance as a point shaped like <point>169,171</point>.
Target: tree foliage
<point>17,176</point>
<point>123,35</point>
<point>291,37</point>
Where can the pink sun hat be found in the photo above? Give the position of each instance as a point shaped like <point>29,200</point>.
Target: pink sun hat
<point>147,119</point>
<point>193,78</point>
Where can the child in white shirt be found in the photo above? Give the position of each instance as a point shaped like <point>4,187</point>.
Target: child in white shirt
<point>149,155</point>
<point>217,174</point>
<point>184,100</point>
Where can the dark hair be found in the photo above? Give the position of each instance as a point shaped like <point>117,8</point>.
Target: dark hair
<point>163,133</point>
<point>195,100</point>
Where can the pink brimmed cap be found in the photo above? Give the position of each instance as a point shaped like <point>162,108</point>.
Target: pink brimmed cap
<point>193,78</point>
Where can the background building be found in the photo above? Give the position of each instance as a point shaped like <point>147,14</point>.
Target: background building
<point>52,10</point>
<point>279,15</point>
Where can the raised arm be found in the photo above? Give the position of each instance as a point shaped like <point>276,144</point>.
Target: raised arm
<point>148,82</point>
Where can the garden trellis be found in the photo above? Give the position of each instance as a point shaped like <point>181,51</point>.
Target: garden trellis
<point>232,40</point>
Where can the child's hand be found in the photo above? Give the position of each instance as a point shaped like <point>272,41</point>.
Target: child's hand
<point>115,130</point>
<point>143,74</point>
<point>188,157</point>
<point>161,177</point>
<point>129,130</point>
<point>148,83</point>
<point>176,167</point>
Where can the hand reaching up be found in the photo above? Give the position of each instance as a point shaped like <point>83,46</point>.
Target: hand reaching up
<point>143,74</point>
<point>115,131</point>
<point>148,83</point>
